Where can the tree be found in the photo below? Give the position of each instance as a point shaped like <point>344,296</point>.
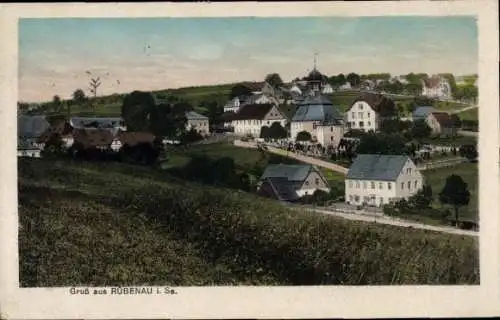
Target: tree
<point>94,84</point>
<point>372,143</point>
<point>79,97</point>
<point>354,79</point>
<point>469,151</point>
<point>393,126</point>
<point>239,90</point>
<point>303,136</point>
<point>274,80</point>
<point>423,198</point>
<point>56,103</point>
<point>214,112</point>
<point>191,136</point>
<point>277,131</point>
<point>137,110</point>
<point>420,130</point>
<point>455,193</point>
<point>264,132</point>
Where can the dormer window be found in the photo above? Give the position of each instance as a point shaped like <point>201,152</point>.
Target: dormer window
<point>360,106</point>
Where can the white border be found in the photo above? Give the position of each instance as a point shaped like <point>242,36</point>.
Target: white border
<point>260,302</point>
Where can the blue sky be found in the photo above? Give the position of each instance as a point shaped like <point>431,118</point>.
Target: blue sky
<point>157,53</point>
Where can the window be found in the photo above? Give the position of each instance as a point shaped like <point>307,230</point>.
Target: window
<point>380,185</point>
<point>317,181</point>
<point>416,184</point>
<point>389,185</point>
<point>307,183</point>
<point>361,124</point>
<point>331,129</point>
<point>402,185</point>
<point>351,197</point>
<point>356,198</point>
<point>360,115</point>
<point>350,183</point>
<point>360,106</point>
<point>354,115</point>
<point>368,114</point>
<point>409,185</point>
<point>268,122</point>
<point>369,124</point>
<point>373,185</point>
<point>381,200</point>
<point>331,138</point>
<point>364,184</point>
<point>357,184</point>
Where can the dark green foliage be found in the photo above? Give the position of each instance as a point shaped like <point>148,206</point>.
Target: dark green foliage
<point>136,110</point>
<point>469,152</point>
<point>239,90</point>
<point>372,143</point>
<point>422,199</point>
<point>455,193</point>
<point>147,228</point>
<point>277,131</point>
<point>274,80</point>
<point>354,79</point>
<point>264,132</point>
<point>303,136</point>
<point>394,126</point>
<point>191,136</point>
<point>420,130</point>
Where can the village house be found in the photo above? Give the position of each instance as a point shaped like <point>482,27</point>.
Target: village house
<point>197,122</point>
<point>251,118</point>
<point>376,180</point>
<point>436,87</point>
<point>29,131</point>
<point>233,105</point>
<point>442,123</point>
<point>317,116</point>
<point>367,112</point>
<point>290,182</point>
<point>421,113</point>
<point>345,86</point>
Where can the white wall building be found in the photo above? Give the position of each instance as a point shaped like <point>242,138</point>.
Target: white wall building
<point>233,105</point>
<point>436,87</point>
<point>251,118</point>
<point>375,180</point>
<point>364,113</point>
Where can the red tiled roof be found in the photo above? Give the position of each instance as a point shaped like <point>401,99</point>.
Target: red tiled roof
<point>134,138</point>
<point>376,101</point>
<point>93,137</point>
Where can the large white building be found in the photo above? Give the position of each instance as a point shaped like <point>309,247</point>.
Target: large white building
<point>436,87</point>
<point>317,116</point>
<point>376,180</point>
<point>252,117</point>
<point>368,110</point>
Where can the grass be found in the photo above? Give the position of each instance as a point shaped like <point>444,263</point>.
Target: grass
<point>471,114</point>
<point>105,224</point>
<point>469,172</point>
<point>456,141</point>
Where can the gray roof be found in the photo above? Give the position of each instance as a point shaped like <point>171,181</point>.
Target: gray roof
<point>86,122</point>
<point>423,112</point>
<point>377,167</point>
<point>292,172</point>
<point>282,189</point>
<point>191,115</point>
<point>31,126</point>
<point>317,100</point>
<point>317,112</point>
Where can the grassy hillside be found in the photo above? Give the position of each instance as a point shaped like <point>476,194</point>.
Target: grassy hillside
<point>116,224</point>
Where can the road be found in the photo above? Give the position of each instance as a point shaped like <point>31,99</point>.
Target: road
<point>302,158</point>
<point>389,221</point>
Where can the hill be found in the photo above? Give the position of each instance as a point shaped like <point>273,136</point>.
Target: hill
<point>107,224</point>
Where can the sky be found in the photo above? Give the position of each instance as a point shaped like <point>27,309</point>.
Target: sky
<point>158,53</point>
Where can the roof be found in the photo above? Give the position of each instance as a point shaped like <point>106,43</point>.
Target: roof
<point>376,101</point>
<point>59,127</point>
<point>290,172</point>
<point>26,144</point>
<point>93,137</point>
<point>31,126</point>
<point>422,112</point>
<point>134,138</point>
<point>432,81</point>
<point>281,188</point>
<point>443,118</point>
<point>253,111</point>
<point>318,112</point>
<point>191,115</point>
<point>84,122</point>
<point>314,75</point>
<point>316,100</point>
<point>288,110</point>
<point>377,167</point>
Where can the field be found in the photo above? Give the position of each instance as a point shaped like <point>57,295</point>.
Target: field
<point>103,224</point>
<point>469,172</point>
<point>471,114</point>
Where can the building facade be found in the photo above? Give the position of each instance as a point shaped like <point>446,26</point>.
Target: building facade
<point>251,118</point>
<point>367,112</point>
<point>376,180</point>
<point>198,122</point>
<point>436,87</point>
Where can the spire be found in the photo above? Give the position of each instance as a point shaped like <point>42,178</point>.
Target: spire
<point>315,60</point>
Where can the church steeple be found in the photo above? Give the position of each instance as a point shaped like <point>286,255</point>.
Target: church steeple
<point>315,62</point>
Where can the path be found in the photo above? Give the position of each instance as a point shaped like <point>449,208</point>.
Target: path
<point>289,154</point>
<point>389,221</point>
<point>441,163</point>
